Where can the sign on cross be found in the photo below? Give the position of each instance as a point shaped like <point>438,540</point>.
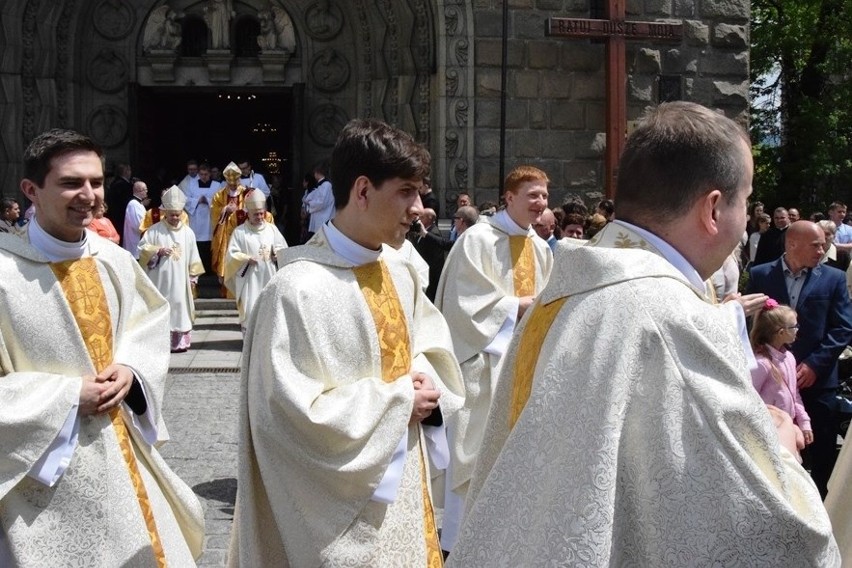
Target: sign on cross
<point>615,30</point>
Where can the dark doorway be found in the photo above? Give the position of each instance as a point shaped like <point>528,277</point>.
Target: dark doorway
<point>215,126</point>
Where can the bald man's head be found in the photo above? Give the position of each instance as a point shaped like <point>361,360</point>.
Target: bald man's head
<point>804,245</point>
<point>546,224</point>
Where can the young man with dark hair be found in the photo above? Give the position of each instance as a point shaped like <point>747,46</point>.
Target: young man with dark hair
<point>346,361</point>
<point>83,362</point>
<point>319,203</point>
<point>10,212</point>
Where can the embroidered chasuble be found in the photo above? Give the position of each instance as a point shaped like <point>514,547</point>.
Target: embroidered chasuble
<point>523,265</point>
<point>331,473</point>
<point>625,431</point>
<point>392,331</point>
<point>82,286</point>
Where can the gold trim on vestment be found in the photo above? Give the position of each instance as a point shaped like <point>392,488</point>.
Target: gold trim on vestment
<point>81,284</point>
<point>523,265</point>
<point>529,348</point>
<point>392,331</point>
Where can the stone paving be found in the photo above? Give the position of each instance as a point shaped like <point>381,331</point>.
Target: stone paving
<point>200,410</point>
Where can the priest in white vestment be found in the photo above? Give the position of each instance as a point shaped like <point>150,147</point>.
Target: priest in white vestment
<point>625,430</point>
<point>83,362</point>
<point>171,260</point>
<point>344,368</point>
<point>199,199</point>
<point>252,257</point>
<point>492,274</point>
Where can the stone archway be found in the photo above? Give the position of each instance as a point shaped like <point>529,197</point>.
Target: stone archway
<point>405,61</point>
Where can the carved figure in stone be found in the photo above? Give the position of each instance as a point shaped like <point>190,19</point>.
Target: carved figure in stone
<point>284,30</point>
<point>162,31</point>
<point>323,20</point>
<point>114,19</point>
<point>217,15</point>
<point>330,70</point>
<point>276,30</point>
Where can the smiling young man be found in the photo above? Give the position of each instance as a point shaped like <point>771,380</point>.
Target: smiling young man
<point>83,362</point>
<point>492,275</point>
<point>345,361</point>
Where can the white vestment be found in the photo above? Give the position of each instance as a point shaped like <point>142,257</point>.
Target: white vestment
<point>477,296</point>
<point>642,441</point>
<point>171,274</point>
<point>133,215</point>
<point>319,426</point>
<point>263,244</point>
<point>91,515</point>
<point>320,204</point>
<point>838,502</point>
<point>409,253</point>
<point>199,211</point>
<point>255,181</point>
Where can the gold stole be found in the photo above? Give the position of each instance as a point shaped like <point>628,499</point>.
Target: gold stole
<point>523,265</point>
<point>85,294</point>
<point>529,348</point>
<point>392,330</point>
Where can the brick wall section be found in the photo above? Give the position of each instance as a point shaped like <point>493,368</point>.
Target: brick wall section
<point>556,104</point>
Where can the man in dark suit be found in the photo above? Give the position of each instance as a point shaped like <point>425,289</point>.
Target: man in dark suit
<point>819,296</point>
<point>771,244</point>
<point>432,246</point>
<point>118,195</point>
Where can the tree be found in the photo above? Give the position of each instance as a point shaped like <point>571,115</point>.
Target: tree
<point>801,67</point>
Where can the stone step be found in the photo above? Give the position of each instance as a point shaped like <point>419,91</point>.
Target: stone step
<point>215,305</point>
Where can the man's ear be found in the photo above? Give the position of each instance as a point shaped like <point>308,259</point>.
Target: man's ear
<point>359,191</point>
<point>28,188</point>
<point>708,209</point>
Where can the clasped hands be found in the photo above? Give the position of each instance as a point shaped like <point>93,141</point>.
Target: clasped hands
<point>425,397</point>
<point>103,392</point>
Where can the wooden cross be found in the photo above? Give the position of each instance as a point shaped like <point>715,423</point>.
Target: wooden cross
<point>615,30</point>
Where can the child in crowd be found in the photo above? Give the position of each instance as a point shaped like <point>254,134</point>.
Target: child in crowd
<point>774,328</point>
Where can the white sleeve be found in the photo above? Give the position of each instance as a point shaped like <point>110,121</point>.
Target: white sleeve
<point>53,463</point>
<point>500,342</point>
<point>389,485</point>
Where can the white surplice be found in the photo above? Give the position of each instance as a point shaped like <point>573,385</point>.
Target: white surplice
<point>198,203</point>
<point>642,442</point>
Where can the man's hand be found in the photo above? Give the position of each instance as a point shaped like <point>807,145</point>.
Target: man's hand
<point>90,396</point>
<point>425,397</point>
<point>230,207</point>
<point>751,303</point>
<point>164,251</point>
<point>524,302</point>
<point>117,379</point>
<point>805,376</point>
<point>788,433</point>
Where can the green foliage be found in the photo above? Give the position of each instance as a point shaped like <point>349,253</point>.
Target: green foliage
<point>801,66</point>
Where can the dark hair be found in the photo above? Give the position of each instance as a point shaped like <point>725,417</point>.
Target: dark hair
<point>7,203</point>
<point>678,152</point>
<point>320,168</point>
<point>378,151</point>
<point>575,205</point>
<point>607,206</point>
<point>573,219</point>
<point>50,144</point>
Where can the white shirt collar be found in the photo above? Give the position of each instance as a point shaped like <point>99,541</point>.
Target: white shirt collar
<point>345,247</point>
<point>669,253</point>
<point>54,249</point>
<point>504,221</point>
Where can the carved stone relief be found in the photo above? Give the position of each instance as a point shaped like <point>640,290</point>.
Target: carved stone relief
<point>108,125</point>
<point>323,20</point>
<point>329,70</point>
<point>458,144</point>
<point>325,123</point>
<point>114,19</point>
<point>108,71</point>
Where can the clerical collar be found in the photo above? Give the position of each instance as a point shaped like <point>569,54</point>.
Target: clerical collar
<point>669,253</point>
<point>505,222</point>
<point>345,247</point>
<point>54,249</point>
<point>255,228</point>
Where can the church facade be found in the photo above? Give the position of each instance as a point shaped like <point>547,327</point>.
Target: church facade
<point>158,82</point>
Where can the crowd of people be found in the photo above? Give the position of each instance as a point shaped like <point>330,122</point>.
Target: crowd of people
<point>565,386</point>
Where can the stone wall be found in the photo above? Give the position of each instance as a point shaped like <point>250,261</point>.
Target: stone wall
<point>556,104</point>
